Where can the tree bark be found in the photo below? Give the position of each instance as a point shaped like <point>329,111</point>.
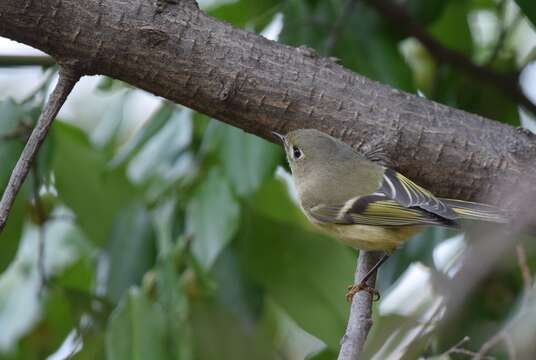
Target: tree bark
<point>172,49</point>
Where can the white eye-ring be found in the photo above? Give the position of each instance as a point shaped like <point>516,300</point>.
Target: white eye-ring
<point>296,153</point>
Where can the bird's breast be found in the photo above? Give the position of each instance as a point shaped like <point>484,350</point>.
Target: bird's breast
<point>368,238</point>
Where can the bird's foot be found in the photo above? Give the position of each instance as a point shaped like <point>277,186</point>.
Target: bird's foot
<point>362,286</point>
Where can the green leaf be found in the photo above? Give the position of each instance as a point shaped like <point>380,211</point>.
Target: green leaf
<point>529,9</point>
<point>93,347</point>
<point>86,184</point>
<point>426,11</point>
<point>325,354</point>
<point>304,272</point>
<point>364,42</point>
<point>12,233</point>
<point>10,148</point>
<point>48,334</point>
<point>175,305</point>
<point>220,335</point>
<point>131,234</point>
<point>157,121</point>
<point>452,28</point>
<point>273,201</point>
<point>456,89</point>
<point>212,218</point>
<point>247,160</point>
<point>21,304</point>
<point>163,149</point>
<point>136,329</point>
<point>246,13</point>
<point>11,116</point>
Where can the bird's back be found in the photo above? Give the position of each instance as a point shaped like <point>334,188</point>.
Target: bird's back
<point>338,181</point>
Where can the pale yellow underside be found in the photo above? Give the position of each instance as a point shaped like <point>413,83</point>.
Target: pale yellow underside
<point>366,237</point>
<point>371,238</point>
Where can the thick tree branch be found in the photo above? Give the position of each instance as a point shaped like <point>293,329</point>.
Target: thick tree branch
<point>258,85</point>
<point>508,84</point>
<point>360,320</point>
<point>66,81</point>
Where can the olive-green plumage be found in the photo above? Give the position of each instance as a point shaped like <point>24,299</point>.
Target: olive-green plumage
<point>364,204</point>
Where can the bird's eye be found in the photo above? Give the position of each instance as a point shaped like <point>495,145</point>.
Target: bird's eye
<point>296,153</point>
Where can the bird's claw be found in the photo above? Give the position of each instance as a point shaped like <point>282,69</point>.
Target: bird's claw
<point>354,289</point>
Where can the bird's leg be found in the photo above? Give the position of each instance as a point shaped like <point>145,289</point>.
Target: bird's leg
<point>354,289</point>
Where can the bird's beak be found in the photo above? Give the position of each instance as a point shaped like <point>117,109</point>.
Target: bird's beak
<point>281,137</point>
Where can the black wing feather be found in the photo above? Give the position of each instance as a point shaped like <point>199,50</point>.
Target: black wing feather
<point>408,194</point>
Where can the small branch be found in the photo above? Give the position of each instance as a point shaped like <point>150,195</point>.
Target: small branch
<point>458,345</point>
<point>460,350</point>
<point>67,80</point>
<point>508,84</point>
<point>41,87</point>
<point>360,319</point>
<point>26,60</point>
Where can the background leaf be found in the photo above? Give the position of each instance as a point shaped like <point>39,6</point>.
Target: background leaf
<point>96,193</point>
<point>212,218</point>
<point>131,251</point>
<point>136,329</point>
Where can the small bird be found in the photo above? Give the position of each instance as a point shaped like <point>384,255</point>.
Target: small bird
<point>364,204</point>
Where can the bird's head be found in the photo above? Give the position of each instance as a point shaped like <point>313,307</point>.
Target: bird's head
<point>308,148</point>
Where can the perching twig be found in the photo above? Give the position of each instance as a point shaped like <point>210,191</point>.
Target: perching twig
<point>360,319</point>
<point>67,80</point>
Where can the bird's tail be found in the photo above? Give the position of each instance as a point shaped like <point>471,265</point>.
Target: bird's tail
<point>477,211</point>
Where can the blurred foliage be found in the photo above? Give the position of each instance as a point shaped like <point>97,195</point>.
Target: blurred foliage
<point>177,237</point>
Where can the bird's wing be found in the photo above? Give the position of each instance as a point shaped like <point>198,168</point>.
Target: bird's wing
<point>398,202</point>
<point>374,210</point>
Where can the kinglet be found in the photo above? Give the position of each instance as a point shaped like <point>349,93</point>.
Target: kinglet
<point>364,204</point>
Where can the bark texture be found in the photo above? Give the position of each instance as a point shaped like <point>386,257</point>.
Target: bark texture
<point>172,49</point>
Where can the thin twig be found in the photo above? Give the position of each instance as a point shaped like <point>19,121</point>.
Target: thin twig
<point>507,83</point>
<point>26,60</point>
<point>470,353</point>
<point>67,80</point>
<point>360,319</point>
<point>41,87</point>
<point>458,345</point>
